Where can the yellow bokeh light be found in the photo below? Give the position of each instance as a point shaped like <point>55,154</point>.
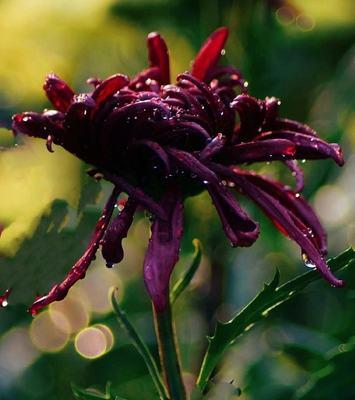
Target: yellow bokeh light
<point>16,354</point>
<point>73,311</point>
<point>332,204</point>
<point>46,336</point>
<point>108,334</point>
<point>91,342</point>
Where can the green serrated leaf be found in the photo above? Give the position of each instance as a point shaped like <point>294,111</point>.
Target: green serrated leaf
<point>184,281</point>
<point>268,299</point>
<point>46,257</point>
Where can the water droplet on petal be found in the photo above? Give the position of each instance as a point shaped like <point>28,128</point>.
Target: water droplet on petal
<point>307,262</point>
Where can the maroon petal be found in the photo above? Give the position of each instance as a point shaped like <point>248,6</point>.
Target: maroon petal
<point>163,250</point>
<point>136,194</point>
<point>311,148</point>
<point>214,147</point>
<point>281,217</point>
<point>78,271</point>
<point>196,168</point>
<point>159,56</point>
<point>4,299</point>
<point>157,150</point>
<point>171,131</point>
<point>268,150</point>
<point>109,87</point>
<point>240,229</point>
<point>112,250</point>
<point>79,138</point>
<point>297,206</point>
<point>209,53</point>
<point>251,114</point>
<point>297,173</point>
<point>30,124</point>
<point>272,203</point>
<point>58,92</point>
<point>290,125</point>
<point>45,126</point>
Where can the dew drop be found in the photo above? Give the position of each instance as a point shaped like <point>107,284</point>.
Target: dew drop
<point>297,195</point>
<point>109,264</point>
<point>148,273</point>
<point>307,262</point>
<point>303,161</point>
<point>223,52</point>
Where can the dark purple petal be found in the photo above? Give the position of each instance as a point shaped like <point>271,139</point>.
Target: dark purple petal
<point>311,148</point>
<point>240,229</point>
<point>188,161</point>
<point>251,115</point>
<point>157,150</point>
<point>297,206</point>
<point>209,54</point>
<point>272,105</point>
<point>79,138</point>
<point>46,126</point>
<point>58,92</point>
<point>30,124</point>
<point>213,148</point>
<point>214,104</point>
<point>189,129</point>
<point>78,271</point>
<point>297,173</point>
<point>159,56</point>
<point>267,150</point>
<point>271,202</point>
<point>163,250</point>
<point>226,76</point>
<point>109,87</point>
<point>112,250</point>
<point>136,194</point>
<point>290,125</point>
<point>282,218</point>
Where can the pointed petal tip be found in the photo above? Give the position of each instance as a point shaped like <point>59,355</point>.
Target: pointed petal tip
<point>158,56</point>
<point>209,53</point>
<point>58,92</point>
<point>339,156</point>
<point>339,283</point>
<point>29,123</point>
<point>153,35</point>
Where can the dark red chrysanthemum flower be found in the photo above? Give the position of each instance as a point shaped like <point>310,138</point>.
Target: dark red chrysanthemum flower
<point>160,142</point>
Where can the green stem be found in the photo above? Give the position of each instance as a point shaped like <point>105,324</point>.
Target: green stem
<point>168,353</point>
<point>140,346</point>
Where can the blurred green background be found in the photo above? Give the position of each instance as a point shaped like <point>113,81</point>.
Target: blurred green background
<point>302,51</point>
